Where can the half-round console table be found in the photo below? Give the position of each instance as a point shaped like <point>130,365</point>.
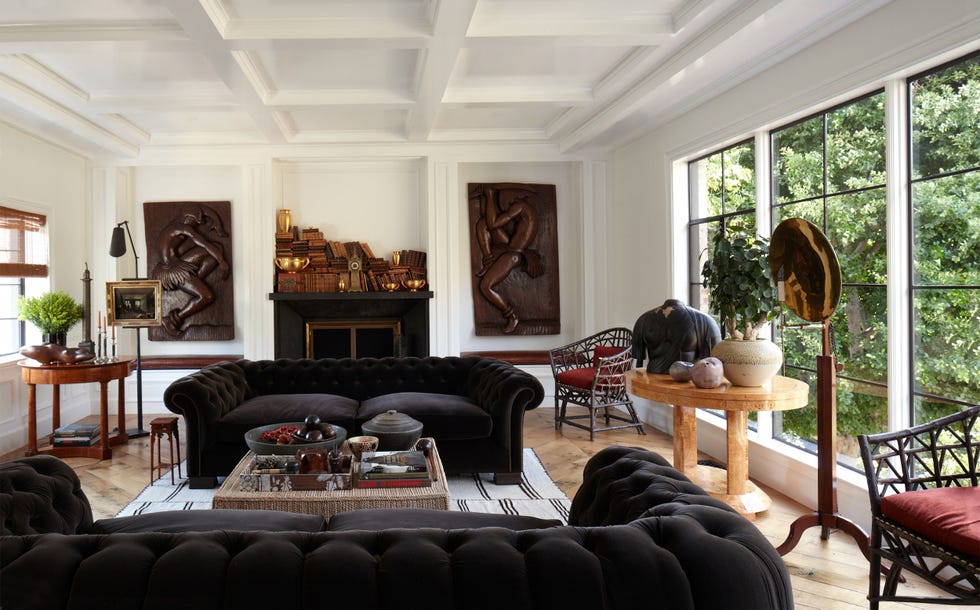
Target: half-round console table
<point>735,488</point>
<point>33,373</point>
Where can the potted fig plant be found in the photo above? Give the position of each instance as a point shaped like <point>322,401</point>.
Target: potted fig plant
<point>743,295</point>
<point>53,313</point>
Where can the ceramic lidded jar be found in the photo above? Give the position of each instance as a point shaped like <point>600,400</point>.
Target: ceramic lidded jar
<point>395,431</point>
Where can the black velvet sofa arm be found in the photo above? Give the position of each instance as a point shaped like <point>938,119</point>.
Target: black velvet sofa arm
<point>202,398</point>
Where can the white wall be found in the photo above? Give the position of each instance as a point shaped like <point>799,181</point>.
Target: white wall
<point>902,38</point>
<point>38,176</point>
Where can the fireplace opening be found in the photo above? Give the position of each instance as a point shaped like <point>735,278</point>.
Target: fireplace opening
<point>353,338</point>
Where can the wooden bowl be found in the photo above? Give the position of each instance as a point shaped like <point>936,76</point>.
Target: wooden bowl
<point>292,264</point>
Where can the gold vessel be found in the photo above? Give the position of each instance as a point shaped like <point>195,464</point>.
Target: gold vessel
<point>414,285</point>
<point>292,264</point>
<point>284,220</point>
<point>390,286</point>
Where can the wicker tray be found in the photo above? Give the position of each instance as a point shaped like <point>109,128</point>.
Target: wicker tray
<point>327,503</point>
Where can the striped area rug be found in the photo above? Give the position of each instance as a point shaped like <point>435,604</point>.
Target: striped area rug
<point>536,495</point>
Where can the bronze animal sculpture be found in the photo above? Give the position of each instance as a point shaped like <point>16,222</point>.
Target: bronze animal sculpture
<point>673,332</point>
<point>52,353</point>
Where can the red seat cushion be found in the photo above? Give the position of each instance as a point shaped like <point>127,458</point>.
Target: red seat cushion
<point>577,378</point>
<point>949,516</point>
<point>606,351</point>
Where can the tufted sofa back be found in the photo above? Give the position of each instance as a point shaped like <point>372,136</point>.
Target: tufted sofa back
<point>360,378</point>
<point>40,497</point>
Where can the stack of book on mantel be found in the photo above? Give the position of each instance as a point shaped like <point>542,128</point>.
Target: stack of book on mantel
<point>77,435</point>
<point>393,469</point>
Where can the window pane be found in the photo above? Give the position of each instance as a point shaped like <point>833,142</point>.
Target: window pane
<point>10,335</point>
<point>862,408</point>
<point>856,145</point>
<point>856,229</point>
<point>698,236</point>
<point>946,230</point>
<point>946,119</point>
<point>861,330</point>
<point>946,343</point>
<point>798,427</point>
<point>807,210</point>
<point>928,409</point>
<point>705,187</point>
<point>739,178</point>
<point>798,161</point>
<point>801,346</point>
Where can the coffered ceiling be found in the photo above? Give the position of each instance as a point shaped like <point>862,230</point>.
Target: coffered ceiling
<point>120,77</point>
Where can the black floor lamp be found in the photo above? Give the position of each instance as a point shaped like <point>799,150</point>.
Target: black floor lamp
<point>117,248</point>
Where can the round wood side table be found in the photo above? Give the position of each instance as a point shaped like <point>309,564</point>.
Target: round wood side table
<point>733,487</point>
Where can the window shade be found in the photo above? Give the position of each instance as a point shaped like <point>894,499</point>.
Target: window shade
<point>23,244</point>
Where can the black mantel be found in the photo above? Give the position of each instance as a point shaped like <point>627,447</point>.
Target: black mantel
<point>294,309</point>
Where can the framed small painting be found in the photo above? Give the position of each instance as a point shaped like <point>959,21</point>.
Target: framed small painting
<point>133,303</point>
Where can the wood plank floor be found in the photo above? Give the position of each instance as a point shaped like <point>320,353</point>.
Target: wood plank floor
<point>826,575</point>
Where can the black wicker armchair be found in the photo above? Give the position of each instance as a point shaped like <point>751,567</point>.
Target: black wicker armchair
<point>591,373</point>
<point>925,506</point>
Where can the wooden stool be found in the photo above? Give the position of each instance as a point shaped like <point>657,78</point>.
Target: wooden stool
<point>158,427</point>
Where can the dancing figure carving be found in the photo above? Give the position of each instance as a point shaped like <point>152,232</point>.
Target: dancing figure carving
<point>505,230</point>
<point>188,255</point>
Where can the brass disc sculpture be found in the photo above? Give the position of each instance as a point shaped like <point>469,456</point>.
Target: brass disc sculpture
<point>808,278</point>
<point>805,267</point>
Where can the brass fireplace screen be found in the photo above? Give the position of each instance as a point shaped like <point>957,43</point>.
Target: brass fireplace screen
<point>353,338</point>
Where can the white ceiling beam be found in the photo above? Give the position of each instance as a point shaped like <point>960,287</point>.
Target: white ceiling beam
<point>195,21</point>
<point>452,19</point>
<point>583,20</point>
<point>515,91</point>
<point>629,100</point>
<point>73,31</point>
<point>341,97</point>
<point>39,105</point>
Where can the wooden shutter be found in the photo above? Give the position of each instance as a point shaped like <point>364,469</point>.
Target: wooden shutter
<point>23,244</point>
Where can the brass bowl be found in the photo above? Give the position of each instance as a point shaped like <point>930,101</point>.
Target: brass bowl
<point>413,285</point>
<point>390,286</point>
<point>292,264</point>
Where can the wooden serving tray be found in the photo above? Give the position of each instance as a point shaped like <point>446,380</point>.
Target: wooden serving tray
<point>250,480</point>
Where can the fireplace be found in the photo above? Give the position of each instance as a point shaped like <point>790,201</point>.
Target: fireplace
<point>351,324</point>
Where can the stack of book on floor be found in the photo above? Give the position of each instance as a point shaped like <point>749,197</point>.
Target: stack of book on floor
<point>77,435</point>
<point>393,469</point>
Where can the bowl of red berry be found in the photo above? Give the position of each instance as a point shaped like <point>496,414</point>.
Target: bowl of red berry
<point>288,438</point>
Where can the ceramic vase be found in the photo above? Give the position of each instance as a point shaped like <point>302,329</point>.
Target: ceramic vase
<point>749,363</point>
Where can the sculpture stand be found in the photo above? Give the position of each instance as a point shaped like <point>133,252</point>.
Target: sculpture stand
<point>826,515</point>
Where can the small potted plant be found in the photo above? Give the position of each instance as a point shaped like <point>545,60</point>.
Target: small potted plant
<point>53,313</point>
<point>743,295</point>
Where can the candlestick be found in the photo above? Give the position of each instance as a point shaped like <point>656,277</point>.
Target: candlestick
<point>113,344</point>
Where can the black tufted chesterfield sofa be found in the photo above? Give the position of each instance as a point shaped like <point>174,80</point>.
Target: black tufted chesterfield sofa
<point>641,536</point>
<point>473,407</point>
